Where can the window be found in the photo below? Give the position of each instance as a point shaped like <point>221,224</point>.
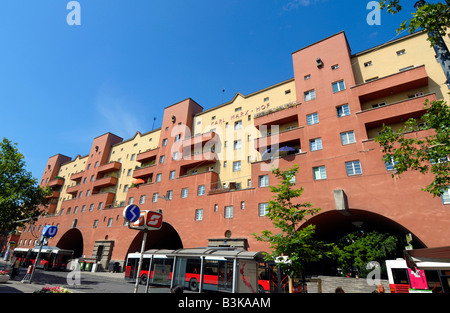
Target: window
<point>335,67</point>
<point>201,190</point>
<point>338,86</point>
<point>446,196</point>
<point>367,64</point>
<point>307,77</point>
<point>81,193</point>
<point>91,207</point>
<point>155,197</point>
<point>184,193</point>
<point>401,52</point>
<point>390,165</point>
<point>133,157</point>
<point>238,109</point>
<point>199,214</point>
<point>263,209</point>
<point>319,173</point>
<point>172,175</point>
<point>177,137</point>
<point>161,159</point>
<point>229,211</point>
<point>315,144</point>
<point>237,144</point>
<point>110,221</point>
<point>142,199</point>
<point>312,119</point>
<point>164,142</point>
<point>125,188</point>
<point>83,208</point>
<point>95,224</point>
<point>348,138</point>
<point>353,168</point>
<point>169,194</point>
<point>343,110</point>
<point>130,201</point>
<point>96,164</point>
<point>88,193</point>
<point>237,125</point>
<point>100,205</point>
<point>130,171</point>
<point>175,156</point>
<point>236,166</point>
<point>92,177</point>
<point>158,177</point>
<point>263,181</point>
<point>216,207</point>
<point>310,95</point>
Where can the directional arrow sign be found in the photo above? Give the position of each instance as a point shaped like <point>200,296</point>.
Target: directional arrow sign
<point>131,213</point>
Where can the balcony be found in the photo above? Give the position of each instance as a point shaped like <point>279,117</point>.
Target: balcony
<point>56,182</point>
<point>144,172</point>
<point>395,112</point>
<point>147,156</point>
<point>280,115</point>
<point>77,176</point>
<point>200,140</point>
<point>416,77</point>
<point>105,182</point>
<point>108,168</point>
<point>197,160</point>
<point>290,137</point>
<point>54,195</point>
<point>73,190</point>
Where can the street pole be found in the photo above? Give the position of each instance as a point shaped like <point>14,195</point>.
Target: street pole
<point>37,260</point>
<point>144,241</point>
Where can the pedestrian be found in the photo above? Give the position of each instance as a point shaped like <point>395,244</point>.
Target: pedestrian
<point>380,289</point>
<point>339,290</point>
<point>15,268</point>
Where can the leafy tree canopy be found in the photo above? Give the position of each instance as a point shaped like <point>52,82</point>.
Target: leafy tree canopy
<point>20,194</point>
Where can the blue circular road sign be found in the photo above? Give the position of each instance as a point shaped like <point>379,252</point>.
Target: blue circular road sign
<point>131,213</point>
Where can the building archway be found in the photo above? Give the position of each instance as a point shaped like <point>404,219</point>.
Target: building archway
<point>72,240</point>
<point>165,238</point>
<point>333,225</point>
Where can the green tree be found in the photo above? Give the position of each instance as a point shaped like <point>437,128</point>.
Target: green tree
<point>287,215</point>
<point>407,151</point>
<point>359,248</point>
<point>20,194</point>
<point>434,18</point>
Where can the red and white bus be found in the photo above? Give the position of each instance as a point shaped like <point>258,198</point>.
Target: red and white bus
<point>211,267</point>
<point>429,277</point>
<point>51,258</point>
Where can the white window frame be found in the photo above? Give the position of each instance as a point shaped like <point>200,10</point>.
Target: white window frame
<point>312,118</point>
<point>348,138</point>
<point>228,211</point>
<point>354,168</point>
<point>319,172</point>
<point>263,208</point>
<point>315,144</point>
<point>310,95</point>
<point>263,181</point>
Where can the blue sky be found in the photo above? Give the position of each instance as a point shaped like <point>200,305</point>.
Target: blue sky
<point>62,85</point>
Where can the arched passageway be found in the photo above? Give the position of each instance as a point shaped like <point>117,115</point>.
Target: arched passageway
<point>164,238</point>
<point>72,240</point>
<point>333,225</point>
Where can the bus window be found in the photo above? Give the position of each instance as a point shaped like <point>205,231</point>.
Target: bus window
<point>162,270</point>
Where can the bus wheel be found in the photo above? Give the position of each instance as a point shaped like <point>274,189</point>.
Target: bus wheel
<point>193,284</point>
<point>143,279</point>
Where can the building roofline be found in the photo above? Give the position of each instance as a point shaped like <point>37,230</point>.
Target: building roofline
<point>326,38</point>
<point>245,96</point>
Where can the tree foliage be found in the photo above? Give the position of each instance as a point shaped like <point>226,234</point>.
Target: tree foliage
<point>287,215</point>
<point>20,194</point>
<point>433,18</point>
<point>430,154</point>
<point>359,248</point>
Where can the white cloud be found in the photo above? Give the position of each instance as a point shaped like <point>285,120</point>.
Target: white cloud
<point>294,4</point>
<point>118,112</point>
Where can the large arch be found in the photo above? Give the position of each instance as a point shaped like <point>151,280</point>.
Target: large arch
<point>72,240</point>
<point>332,225</point>
<point>165,238</point>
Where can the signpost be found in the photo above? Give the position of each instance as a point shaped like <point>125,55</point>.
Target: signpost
<point>49,231</point>
<point>143,221</point>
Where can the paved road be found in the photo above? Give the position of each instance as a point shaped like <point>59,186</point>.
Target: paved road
<point>85,282</point>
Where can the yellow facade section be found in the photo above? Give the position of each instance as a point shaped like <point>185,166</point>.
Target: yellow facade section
<point>399,55</point>
<point>233,123</point>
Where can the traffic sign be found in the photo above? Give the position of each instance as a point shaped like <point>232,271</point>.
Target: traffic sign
<point>49,231</point>
<point>148,220</point>
<point>131,213</point>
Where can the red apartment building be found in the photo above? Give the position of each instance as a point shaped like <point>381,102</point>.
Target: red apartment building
<point>339,106</point>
